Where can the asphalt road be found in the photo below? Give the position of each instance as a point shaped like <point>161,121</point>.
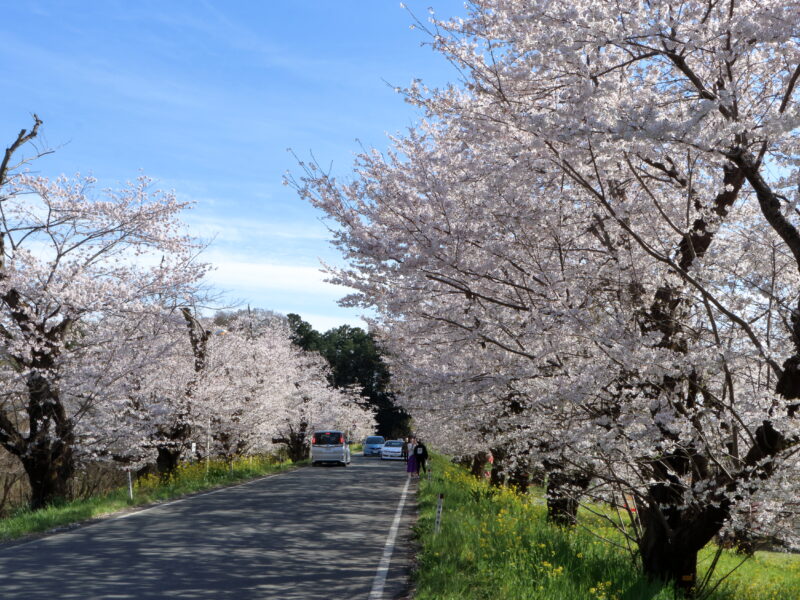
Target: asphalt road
<point>313,533</point>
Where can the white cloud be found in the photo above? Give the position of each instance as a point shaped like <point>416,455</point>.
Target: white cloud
<point>235,275</point>
<point>284,288</point>
<point>323,323</point>
<point>238,229</point>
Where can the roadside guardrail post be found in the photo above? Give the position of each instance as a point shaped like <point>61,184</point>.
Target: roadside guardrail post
<point>439,505</point>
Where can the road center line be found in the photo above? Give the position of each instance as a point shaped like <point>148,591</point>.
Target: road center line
<point>383,567</point>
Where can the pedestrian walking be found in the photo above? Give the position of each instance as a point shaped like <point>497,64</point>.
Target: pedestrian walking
<point>411,464</point>
<point>421,457</point>
<point>405,449</point>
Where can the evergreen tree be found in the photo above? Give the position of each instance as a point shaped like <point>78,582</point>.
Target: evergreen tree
<point>355,359</point>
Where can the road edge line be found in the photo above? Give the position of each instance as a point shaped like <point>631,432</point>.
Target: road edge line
<point>376,593</point>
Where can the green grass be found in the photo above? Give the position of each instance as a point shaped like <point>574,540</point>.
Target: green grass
<point>496,545</point>
<point>189,478</point>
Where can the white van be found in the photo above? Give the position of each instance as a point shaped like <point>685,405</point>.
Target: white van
<point>330,445</point>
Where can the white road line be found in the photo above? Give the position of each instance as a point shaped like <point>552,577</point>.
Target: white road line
<point>193,496</point>
<point>201,494</point>
<point>383,567</point>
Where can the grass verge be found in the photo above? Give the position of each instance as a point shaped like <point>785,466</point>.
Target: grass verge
<point>189,479</point>
<point>494,544</point>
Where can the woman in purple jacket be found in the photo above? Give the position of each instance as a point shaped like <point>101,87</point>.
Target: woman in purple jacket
<point>411,464</point>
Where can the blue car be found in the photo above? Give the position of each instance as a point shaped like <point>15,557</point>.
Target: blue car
<point>373,445</point>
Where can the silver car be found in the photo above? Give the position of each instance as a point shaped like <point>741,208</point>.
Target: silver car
<point>373,445</point>
<point>330,446</point>
<point>392,450</point>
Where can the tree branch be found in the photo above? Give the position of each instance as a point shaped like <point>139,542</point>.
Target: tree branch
<point>23,137</point>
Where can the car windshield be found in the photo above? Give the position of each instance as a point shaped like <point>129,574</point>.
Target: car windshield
<point>394,444</point>
<point>327,437</point>
<point>376,439</point>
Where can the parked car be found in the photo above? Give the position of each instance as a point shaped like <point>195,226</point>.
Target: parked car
<point>330,446</point>
<point>373,445</point>
<point>392,450</point>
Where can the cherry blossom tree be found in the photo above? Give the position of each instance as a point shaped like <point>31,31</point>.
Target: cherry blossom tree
<point>596,236</point>
<point>309,403</point>
<point>123,376</point>
<point>73,268</point>
<point>244,387</point>
<point>161,396</point>
<point>257,389</point>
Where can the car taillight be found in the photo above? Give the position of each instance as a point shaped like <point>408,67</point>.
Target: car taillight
<point>341,439</point>
<point>313,440</point>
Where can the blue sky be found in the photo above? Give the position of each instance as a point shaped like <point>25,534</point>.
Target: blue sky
<point>206,97</point>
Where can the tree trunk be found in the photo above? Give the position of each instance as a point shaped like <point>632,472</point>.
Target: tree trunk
<point>663,561</point>
<point>672,539</point>
<point>564,489</point>
<point>167,461</point>
<point>477,464</point>
<point>516,477</point>
<point>49,467</point>
<point>562,508</point>
<point>519,479</point>
<point>497,474</point>
<point>297,447</point>
<point>295,442</point>
<point>170,449</point>
<point>47,455</point>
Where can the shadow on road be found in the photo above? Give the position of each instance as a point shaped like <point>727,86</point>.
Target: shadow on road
<point>312,533</point>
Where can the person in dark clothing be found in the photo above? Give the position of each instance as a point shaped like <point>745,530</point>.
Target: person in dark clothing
<point>421,455</point>
<point>405,449</point>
